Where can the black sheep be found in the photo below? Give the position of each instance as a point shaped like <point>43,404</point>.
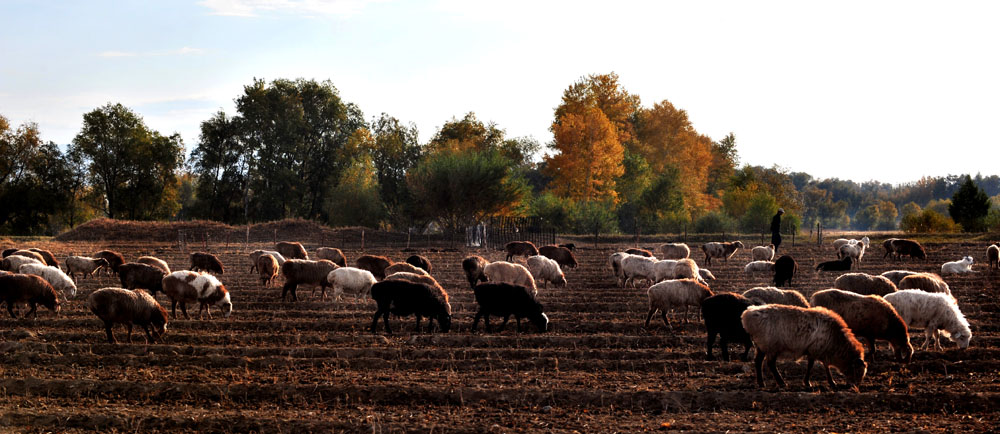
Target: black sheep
<point>909,248</point>
<point>504,299</point>
<point>784,269</point>
<point>402,298</point>
<point>135,275</point>
<point>419,262</point>
<point>722,316</point>
<point>843,264</point>
<point>473,267</point>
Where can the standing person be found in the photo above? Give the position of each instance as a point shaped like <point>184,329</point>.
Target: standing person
<point>776,230</point>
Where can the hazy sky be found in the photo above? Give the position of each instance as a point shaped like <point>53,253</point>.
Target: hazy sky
<point>859,90</point>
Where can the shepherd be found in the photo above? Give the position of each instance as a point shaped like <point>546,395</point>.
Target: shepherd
<point>776,230</point>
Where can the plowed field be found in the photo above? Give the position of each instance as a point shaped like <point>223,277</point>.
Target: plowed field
<point>312,365</point>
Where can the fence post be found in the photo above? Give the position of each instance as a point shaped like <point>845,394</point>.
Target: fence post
<point>362,241</point>
<point>793,235</point>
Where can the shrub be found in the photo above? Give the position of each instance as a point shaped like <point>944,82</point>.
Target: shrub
<point>929,221</point>
<point>714,222</point>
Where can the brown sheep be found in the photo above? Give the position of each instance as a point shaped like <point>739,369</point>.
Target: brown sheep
<point>29,254</point>
<point>724,250</point>
<point>121,306</point>
<point>816,333</point>
<point>84,265</point>
<point>291,250</point>
<point>639,252</point>
<point>928,282</point>
<point>374,264</point>
<point>404,268</point>
<point>474,267</point>
<point>50,259</point>
<point>519,248</point>
<point>188,287</point>
<point>207,262</point>
<point>561,255</point>
<point>772,295</point>
<point>865,284</point>
<point>887,245</point>
<point>155,262</point>
<point>30,289</point>
<point>135,275</point>
<point>305,272</point>
<point>896,276</point>
<point>331,254</point>
<point>909,248</point>
<point>267,269</point>
<point>424,278</point>
<point>993,256</point>
<point>114,259</point>
<point>419,262</point>
<point>870,317</point>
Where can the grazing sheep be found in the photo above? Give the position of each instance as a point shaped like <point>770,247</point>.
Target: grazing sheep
<point>870,317</point>
<point>794,332</point>
<point>50,259</point>
<point>59,280</point>
<point>519,248</point>
<point>845,263</point>
<point>932,312</point>
<point>403,298</point>
<point>865,284</point>
<point>993,256</point>
<point>664,269</point>
<point>188,287</point>
<point>354,281</point>
<point>772,295</point>
<point>473,267</point>
<point>563,256</point>
<point>928,282</point>
<point>635,267</point>
<point>305,272</point>
<point>909,248</point>
<point>135,275</point>
<point>546,270</point>
<point>784,269</point>
<point>897,276</point>
<point>207,262</point>
<point>840,242</point>
<point>419,262</point>
<point>687,269</point>
<point>504,299</point>
<point>332,254</point>
<point>114,259</point>
<point>675,251</point>
<point>957,267</point>
<point>675,293</point>
<point>640,252</point>
<point>30,289</point>
<point>854,251</point>
<point>403,267</point>
<point>762,253</point>
<point>758,267</point>
<point>720,250</point>
<point>507,272</point>
<point>156,262</point>
<point>706,274</point>
<point>615,260</point>
<point>570,246</point>
<point>258,253</point>
<point>887,245</point>
<point>83,265</point>
<point>121,306</point>
<point>13,263</point>
<point>291,250</point>
<point>267,269</point>
<point>29,254</point>
<point>374,264</point>
<point>722,317</point>
<point>424,278</point>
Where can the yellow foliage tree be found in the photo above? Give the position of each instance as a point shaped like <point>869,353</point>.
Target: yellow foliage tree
<point>666,138</point>
<point>602,91</point>
<point>588,156</point>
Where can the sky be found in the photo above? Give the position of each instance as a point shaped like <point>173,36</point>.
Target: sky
<point>888,90</point>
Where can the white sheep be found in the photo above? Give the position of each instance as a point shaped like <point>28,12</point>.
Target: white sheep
<point>957,267</point>
<point>615,261</point>
<point>758,267</point>
<point>546,270</point>
<point>13,263</point>
<point>932,312</point>
<point>664,269</point>
<point>855,251</point>
<point>515,274</point>
<point>723,250</point>
<point>635,267</point>
<point>354,281</point>
<point>671,294</point>
<point>675,251</point>
<point>928,282</point>
<point>762,253</point>
<point>59,280</point>
<point>705,274</point>
<point>839,242</point>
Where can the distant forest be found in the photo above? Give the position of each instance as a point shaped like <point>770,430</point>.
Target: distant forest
<point>295,148</point>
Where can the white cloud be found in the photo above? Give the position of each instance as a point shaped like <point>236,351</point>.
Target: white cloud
<point>183,51</point>
<point>116,54</point>
<point>252,8</point>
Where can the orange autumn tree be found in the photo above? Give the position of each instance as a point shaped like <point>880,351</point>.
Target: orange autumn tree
<point>603,92</point>
<point>588,156</point>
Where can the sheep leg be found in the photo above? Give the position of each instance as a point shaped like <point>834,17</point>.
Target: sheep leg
<point>475,321</point>
<point>10,309</point>
<point>829,375</point>
<point>418,322</point>
<point>871,346</point>
<point>128,325</point>
<point>33,312</point>
<point>374,326</point>
<point>724,347</point>
<point>649,316</point>
<point>663,314</point>
<point>504,325</point>
<point>711,342</point>
<point>772,365</point>
<point>149,337</point>
<point>173,308</point>
<point>518,319</point>
<point>809,370</point>
<point>746,352</point>
<point>685,314</point>
<point>757,365</point>
<point>385,319</point>
<point>111,334</point>
<point>487,319</point>
<point>184,310</point>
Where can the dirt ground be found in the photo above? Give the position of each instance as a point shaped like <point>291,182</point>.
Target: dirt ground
<point>312,365</point>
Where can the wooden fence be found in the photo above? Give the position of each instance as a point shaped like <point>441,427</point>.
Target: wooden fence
<point>495,232</point>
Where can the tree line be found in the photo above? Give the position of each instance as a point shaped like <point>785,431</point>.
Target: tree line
<point>295,148</point>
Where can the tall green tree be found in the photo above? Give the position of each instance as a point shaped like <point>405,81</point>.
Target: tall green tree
<point>394,149</point>
<point>36,181</point>
<point>132,166</point>
<point>969,206</point>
